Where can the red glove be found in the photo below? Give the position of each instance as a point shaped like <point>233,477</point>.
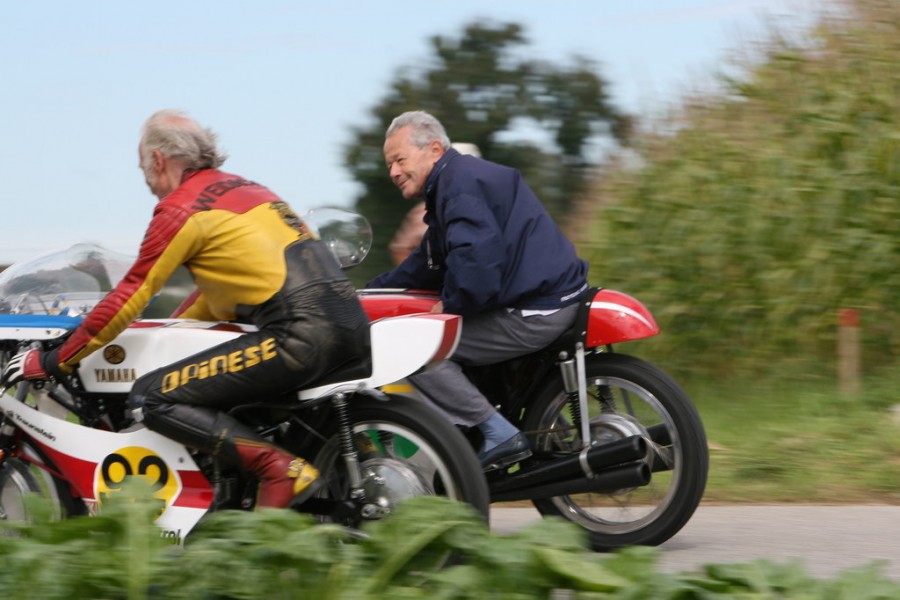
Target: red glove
<point>24,365</point>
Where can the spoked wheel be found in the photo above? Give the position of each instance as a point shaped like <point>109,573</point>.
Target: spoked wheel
<point>626,397</point>
<point>20,475</point>
<point>16,481</point>
<point>27,470</point>
<point>404,449</point>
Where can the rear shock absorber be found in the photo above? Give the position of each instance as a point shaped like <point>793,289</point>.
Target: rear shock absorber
<point>348,451</point>
<point>569,369</point>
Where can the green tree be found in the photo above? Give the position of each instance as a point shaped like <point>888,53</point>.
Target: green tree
<point>541,118</point>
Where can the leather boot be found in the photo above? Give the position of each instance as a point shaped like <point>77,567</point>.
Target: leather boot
<point>284,480</point>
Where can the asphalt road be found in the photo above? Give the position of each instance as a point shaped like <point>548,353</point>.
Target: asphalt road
<point>826,540</point>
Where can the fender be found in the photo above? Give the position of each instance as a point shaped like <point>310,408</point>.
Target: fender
<point>617,317</point>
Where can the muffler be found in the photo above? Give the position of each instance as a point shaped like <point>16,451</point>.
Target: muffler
<point>659,433</point>
<point>587,465</point>
<point>626,476</point>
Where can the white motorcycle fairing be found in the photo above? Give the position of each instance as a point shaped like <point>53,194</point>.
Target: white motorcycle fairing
<point>400,346</point>
<point>96,462</point>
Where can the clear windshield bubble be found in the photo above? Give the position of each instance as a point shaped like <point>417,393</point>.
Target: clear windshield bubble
<point>62,282</point>
<point>347,234</point>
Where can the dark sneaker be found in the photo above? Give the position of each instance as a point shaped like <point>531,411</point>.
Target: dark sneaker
<point>508,453</point>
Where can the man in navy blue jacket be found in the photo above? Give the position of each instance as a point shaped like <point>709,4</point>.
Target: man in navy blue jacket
<point>495,256</point>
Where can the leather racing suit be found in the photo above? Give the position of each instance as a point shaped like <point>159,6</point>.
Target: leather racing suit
<point>252,260</point>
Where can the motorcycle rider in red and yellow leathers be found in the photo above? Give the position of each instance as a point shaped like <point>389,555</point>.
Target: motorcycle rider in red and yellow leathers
<point>253,260</point>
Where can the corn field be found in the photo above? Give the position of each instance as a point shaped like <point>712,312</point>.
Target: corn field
<point>750,217</point>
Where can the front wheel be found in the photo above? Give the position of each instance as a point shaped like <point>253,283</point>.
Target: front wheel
<point>626,397</point>
<point>404,449</point>
<point>21,473</point>
<point>16,481</point>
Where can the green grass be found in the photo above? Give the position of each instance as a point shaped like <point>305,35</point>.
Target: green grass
<point>801,441</point>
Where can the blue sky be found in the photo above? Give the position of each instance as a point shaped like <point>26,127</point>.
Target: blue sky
<point>282,83</point>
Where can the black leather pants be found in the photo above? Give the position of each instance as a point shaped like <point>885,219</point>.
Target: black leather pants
<point>303,335</point>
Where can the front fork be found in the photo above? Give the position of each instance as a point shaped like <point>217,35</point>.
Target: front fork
<point>8,429</point>
<point>7,434</point>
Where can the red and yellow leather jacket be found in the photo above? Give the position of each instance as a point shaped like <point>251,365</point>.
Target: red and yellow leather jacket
<point>228,231</point>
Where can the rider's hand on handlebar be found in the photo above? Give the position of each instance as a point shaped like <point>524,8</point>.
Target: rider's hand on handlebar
<point>28,364</point>
<point>438,308</point>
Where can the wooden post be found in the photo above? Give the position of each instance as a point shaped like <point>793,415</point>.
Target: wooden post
<point>848,351</point>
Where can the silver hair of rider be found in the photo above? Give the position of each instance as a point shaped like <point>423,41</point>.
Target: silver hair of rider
<point>425,128</point>
<point>181,138</point>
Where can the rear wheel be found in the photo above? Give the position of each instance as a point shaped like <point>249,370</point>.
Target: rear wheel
<point>405,449</point>
<point>626,397</point>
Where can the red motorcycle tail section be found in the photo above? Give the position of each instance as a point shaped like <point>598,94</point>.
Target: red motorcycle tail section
<point>617,317</point>
<point>393,303</point>
<point>614,317</point>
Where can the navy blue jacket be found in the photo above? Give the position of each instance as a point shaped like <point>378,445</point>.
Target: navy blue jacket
<point>490,243</point>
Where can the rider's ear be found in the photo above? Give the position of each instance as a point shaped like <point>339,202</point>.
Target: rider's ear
<point>159,161</point>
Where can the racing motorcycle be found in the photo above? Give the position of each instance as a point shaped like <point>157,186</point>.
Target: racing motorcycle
<point>617,446</point>
<point>76,442</point>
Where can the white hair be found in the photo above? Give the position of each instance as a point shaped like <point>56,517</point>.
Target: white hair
<point>180,138</point>
<point>425,128</point>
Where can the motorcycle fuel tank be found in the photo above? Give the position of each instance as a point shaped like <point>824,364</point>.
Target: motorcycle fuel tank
<point>148,345</point>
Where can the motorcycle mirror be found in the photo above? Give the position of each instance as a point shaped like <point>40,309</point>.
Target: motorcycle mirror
<point>348,235</point>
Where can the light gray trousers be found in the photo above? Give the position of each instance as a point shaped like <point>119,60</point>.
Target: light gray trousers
<point>486,339</point>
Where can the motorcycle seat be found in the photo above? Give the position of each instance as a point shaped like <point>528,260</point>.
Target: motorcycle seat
<point>349,371</point>
<point>578,331</point>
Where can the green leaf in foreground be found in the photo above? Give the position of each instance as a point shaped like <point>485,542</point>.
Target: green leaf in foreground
<point>431,549</point>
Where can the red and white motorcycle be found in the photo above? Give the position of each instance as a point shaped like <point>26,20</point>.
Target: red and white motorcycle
<point>618,447</point>
<point>76,441</point>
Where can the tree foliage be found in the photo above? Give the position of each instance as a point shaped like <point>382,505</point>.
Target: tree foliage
<point>538,117</point>
<point>772,206</point>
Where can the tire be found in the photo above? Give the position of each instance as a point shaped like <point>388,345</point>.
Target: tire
<point>16,481</point>
<point>19,477</point>
<point>408,447</point>
<point>626,396</point>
